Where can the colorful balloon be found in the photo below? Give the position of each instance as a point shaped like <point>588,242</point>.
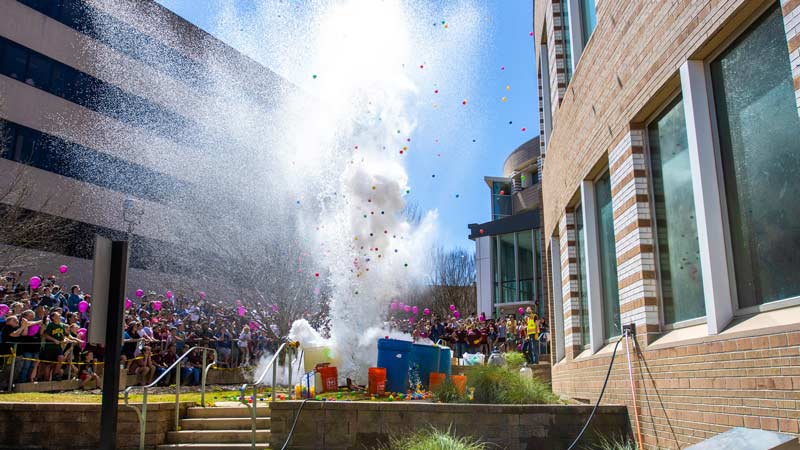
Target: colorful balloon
<point>33,329</point>
<point>139,293</point>
<point>157,305</point>
<point>63,268</point>
<point>202,295</point>
<point>35,282</point>
<point>456,314</point>
<point>407,308</point>
<point>3,309</point>
<point>83,306</point>
<point>393,306</point>
<point>411,320</point>
<point>415,310</point>
<point>521,310</point>
<point>168,294</point>
<point>241,311</point>
<point>82,331</point>
<point>128,303</point>
<point>452,307</point>
<point>426,311</point>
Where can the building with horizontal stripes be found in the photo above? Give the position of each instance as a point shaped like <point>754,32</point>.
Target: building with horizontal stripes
<point>508,248</point>
<point>97,108</point>
<point>672,207</point>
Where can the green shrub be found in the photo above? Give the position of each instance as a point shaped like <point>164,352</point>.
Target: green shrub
<point>448,393</point>
<point>515,360</point>
<point>499,385</point>
<point>433,439</point>
<point>601,442</point>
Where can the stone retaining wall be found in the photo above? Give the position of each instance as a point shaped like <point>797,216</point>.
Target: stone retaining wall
<point>76,426</point>
<point>361,425</point>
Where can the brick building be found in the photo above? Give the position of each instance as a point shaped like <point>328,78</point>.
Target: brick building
<point>669,135</point>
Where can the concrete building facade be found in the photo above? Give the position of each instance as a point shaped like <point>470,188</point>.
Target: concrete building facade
<point>54,87</point>
<point>509,265</point>
<point>669,141</point>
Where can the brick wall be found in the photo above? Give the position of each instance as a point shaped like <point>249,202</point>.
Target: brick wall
<point>339,426</point>
<point>76,426</point>
<point>690,392</point>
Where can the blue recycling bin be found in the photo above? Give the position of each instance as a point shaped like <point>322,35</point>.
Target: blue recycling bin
<point>394,356</point>
<point>425,359</point>
<point>445,355</point>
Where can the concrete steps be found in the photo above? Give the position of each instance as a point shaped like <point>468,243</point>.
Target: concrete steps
<point>226,426</point>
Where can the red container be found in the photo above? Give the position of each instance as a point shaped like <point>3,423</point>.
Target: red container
<point>436,379</point>
<point>330,379</point>
<point>377,380</point>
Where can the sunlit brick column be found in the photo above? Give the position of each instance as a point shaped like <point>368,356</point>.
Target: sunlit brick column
<point>791,20</point>
<point>570,290</point>
<point>636,268</point>
<point>557,59</point>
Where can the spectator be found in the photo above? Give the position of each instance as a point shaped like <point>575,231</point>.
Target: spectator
<point>144,368</point>
<point>244,346</point>
<point>87,373</point>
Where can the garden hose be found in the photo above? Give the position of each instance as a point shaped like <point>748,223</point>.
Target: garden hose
<point>602,391</point>
<point>294,424</point>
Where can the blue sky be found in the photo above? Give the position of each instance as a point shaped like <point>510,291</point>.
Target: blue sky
<point>486,133</point>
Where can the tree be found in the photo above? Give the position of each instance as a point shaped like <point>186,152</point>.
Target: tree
<point>452,281</point>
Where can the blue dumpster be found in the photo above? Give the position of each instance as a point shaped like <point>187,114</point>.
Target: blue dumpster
<point>445,355</point>
<point>425,359</point>
<point>394,356</point>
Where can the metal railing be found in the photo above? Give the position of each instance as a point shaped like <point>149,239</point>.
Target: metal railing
<point>291,349</point>
<point>142,414</point>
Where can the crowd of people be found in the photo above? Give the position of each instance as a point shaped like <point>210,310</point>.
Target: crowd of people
<point>44,328</point>
<point>527,333</point>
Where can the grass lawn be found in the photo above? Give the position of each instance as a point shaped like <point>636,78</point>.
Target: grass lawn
<point>164,395</point>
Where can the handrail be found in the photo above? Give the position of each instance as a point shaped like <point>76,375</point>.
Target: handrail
<point>291,348</point>
<point>142,414</point>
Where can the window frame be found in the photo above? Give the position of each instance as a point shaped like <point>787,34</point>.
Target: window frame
<point>605,339</point>
<point>671,98</point>
<point>720,179</point>
<point>578,211</point>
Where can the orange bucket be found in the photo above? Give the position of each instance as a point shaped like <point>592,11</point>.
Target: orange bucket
<point>330,379</point>
<point>436,379</point>
<point>461,382</point>
<point>377,380</point>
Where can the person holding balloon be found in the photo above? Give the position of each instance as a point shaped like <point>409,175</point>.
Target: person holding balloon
<point>74,298</point>
<point>28,346</point>
<point>55,340</point>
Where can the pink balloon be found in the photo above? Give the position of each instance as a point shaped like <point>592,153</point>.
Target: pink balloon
<point>128,303</point>
<point>426,311</point>
<point>407,308</point>
<point>456,314</point>
<point>83,306</point>
<point>33,329</point>
<point>415,310</point>
<point>81,331</point>
<point>482,318</point>
<point>241,311</point>
<point>202,295</point>
<point>252,325</point>
<point>452,307</point>
<point>63,268</point>
<point>411,320</point>
<point>157,305</point>
<point>139,293</point>
<point>168,294</point>
<point>521,310</point>
<point>3,309</point>
<point>35,282</point>
<point>274,308</point>
<point>393,306</point>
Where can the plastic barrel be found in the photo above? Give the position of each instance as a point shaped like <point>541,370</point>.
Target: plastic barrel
<point>425,358</point>
<point>461,383</point>
<point>377,380</point>
<point>445,361</point>
<point>436,379</point>
<point>393,355</point>
<point>330,379</point>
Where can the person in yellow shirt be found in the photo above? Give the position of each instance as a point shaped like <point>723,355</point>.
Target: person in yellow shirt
<point>532,335</point>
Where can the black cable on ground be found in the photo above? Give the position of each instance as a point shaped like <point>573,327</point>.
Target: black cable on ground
<point>602,391</point>
<point>294,424</point>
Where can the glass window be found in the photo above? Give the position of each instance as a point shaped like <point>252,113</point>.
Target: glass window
<point>501,200</point>
<point>608,257</point>
<point>62,82</point>
<point>496,270</point>
<point>507,268</point>
<point>588,19</point>
<point>758,134</point>
<point>583,300</point>
<point>538,267</point>
<point>526,271</point>
<point>678,247</point>
<point>15,61</point>
<point>567,40</point>
<point>38,73</point>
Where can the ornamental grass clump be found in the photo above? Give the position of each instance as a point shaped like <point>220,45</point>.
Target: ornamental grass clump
<point>433,439</point>
<point>447,392</point>
<point>515,360</point>
<point>500,385</point>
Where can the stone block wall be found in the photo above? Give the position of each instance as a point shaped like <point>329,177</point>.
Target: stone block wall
<point>348,425</point>
<point>76,426</point>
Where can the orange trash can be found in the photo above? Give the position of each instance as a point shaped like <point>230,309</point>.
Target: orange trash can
<point>377,380</point>
<point>330,379</point>
<point>436,379</point>
<point>461,382</point>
